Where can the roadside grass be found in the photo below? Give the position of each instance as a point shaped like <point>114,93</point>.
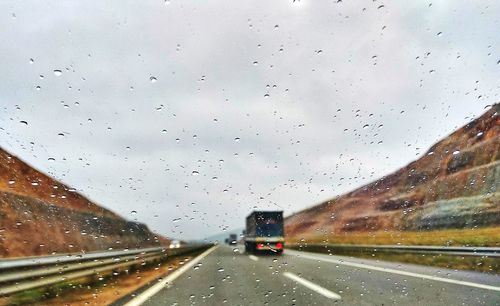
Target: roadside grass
<point>486,237</point>
<point>34,295</point>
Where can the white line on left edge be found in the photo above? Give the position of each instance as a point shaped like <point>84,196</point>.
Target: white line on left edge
<point>143,297</point>
<point>317,288</point>
<point>253,257</point>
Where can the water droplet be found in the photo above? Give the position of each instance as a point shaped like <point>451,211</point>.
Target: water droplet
<point>439,33</point>
<point>38,87</point>
<point>255,63</point>
<point>133,212</point>
<point>51,159</point>
<point>456,152</point>
<point>220,269</point>
<point>31,61</point>
<point>23,122</point>
<point>195,173</point>
<point>366,126</point>
<point>57,72</point>
<point>153,79</point>
<point>237,139</point>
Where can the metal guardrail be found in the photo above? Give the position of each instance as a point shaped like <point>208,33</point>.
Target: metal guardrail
<point>493,252</point>
<point>33,272</point>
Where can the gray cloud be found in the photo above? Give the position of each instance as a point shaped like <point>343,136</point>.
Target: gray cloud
<point>340,94</point>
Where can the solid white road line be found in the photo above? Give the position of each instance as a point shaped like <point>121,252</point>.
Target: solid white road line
<point>253,257</point>
<point>394,271</point>
<point>144,296</point>
<point>317,288</point>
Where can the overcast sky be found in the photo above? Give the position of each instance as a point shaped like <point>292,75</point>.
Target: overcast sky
<point>193,113</point>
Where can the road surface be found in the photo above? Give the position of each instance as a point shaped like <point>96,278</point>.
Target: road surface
<point>227,276</point>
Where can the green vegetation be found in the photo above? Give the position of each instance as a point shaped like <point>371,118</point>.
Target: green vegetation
<point>452,237</point>
<point>38,294</point>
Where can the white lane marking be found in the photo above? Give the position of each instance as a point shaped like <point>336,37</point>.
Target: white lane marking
<point>147,294</point>
<point>253,257</point>
<point>323,291</point>
<point>389,270</point>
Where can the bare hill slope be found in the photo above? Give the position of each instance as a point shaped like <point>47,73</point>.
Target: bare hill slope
<point>453,186</point>
<point>39,215</point>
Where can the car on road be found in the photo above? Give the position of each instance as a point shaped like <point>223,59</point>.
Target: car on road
<point>233,239</point>
<point>175,244</point>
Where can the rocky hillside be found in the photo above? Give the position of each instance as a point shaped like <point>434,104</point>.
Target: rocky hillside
<point>454,185</point>
<point>39,215</point>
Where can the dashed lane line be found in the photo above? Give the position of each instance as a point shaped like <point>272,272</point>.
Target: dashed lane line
<point>314,287</point>
<point>253,257</point>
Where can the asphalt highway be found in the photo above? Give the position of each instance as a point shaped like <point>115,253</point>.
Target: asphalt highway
<point>226,276</point>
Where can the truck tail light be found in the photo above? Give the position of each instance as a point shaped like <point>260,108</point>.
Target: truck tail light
<point>279,245</point>
<point>260,246</point>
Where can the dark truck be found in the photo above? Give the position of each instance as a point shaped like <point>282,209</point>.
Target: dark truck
<point>264,232</point>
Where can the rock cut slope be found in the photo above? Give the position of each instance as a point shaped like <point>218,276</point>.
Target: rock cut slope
<point>453,186</point>
<point>39,215</point>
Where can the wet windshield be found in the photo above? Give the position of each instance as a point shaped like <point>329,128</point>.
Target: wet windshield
<point>222,152</point>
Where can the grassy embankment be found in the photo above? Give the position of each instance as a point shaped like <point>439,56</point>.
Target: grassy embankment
<point>453,237</point>
<point>489,237</point>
